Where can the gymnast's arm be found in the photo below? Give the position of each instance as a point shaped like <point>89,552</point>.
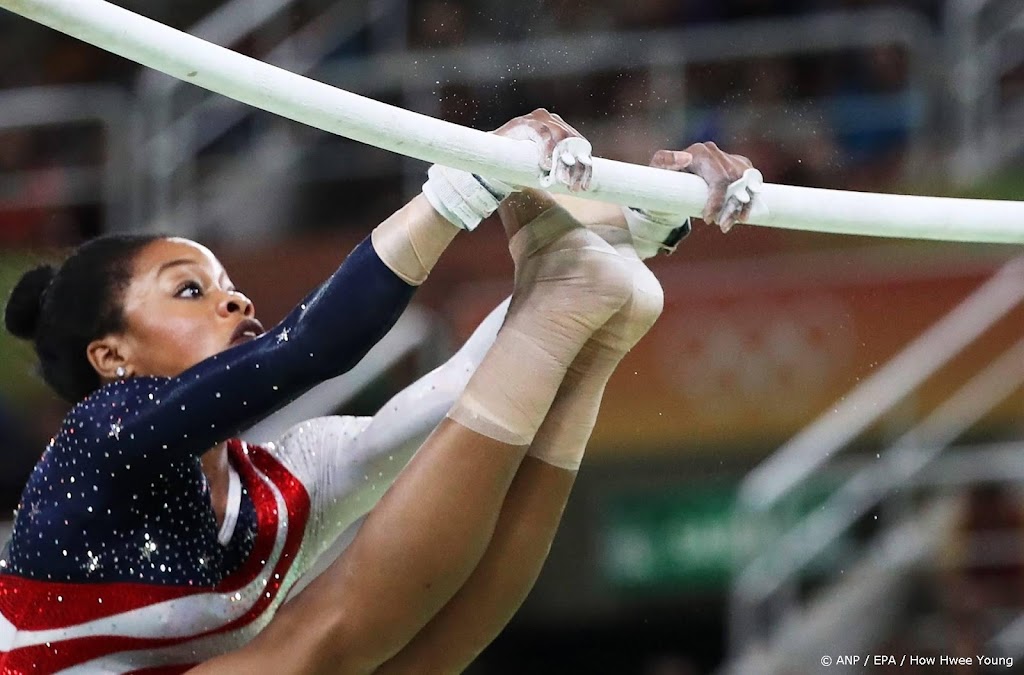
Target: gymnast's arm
<point>324,336</point>
<point>347,474</point>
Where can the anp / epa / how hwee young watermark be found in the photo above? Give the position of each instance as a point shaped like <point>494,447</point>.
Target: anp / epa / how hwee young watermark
<point>938,660</point>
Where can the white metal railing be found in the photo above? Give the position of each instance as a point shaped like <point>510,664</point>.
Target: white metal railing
<point>989,132</point>
<point>575,54</point>
<point>763,583</point>
<point>227,24</point>
<point>877,586</point>
<point>898,464</point>
<point>177,139</point>
<point>802,455</point>
<point>906,547</point>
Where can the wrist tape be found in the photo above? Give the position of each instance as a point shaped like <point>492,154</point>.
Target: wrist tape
<point>462,198</point>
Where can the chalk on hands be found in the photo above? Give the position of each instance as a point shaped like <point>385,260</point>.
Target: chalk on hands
<point>568,153</point>
<point>739,193</point>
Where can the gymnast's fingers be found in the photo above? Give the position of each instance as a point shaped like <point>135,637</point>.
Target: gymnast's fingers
<point>719,170</point>
<point>672,160</point>
<point>582,167</point>
<point>714,174</point>
<point>744,213</point>
<point>572,165</point>
<point>525,128</point>
<point>564,156</point>
<point>572,130</point>
<point>730,215</point>
<point>587,171</point>
<point>739,197</point>
<point>553,129</point>
<point>740,194</point>
<point>743,162</point>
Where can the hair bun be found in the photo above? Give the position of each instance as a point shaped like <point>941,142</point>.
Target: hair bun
<point>26,301</point>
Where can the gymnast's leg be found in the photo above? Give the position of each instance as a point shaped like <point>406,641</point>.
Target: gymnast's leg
<point>536,499</point>
<point>423,540</point>
<point>533,507</point>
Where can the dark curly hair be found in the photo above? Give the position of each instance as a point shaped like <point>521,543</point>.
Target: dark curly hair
<point>61,310</point>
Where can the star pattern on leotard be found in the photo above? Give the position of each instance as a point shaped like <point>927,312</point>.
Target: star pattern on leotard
<point>92,562</point>
<point>91,503</point>
<point>148,548</point>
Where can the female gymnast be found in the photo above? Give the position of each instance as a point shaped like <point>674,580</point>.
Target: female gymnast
<point>137,547</point>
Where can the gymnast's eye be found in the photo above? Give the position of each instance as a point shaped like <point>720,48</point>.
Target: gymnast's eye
<point>189,289</point>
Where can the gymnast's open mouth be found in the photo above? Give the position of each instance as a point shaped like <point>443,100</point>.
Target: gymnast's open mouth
<point>247,329</point>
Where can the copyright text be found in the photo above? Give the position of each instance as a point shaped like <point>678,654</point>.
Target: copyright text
<point>940,660</point>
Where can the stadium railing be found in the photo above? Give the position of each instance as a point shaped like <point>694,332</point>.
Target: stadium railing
<point>766,594</point>
<point>984,41</point>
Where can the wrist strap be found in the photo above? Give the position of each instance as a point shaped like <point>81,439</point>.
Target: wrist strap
<point>654,233</point>
<point>462,198</point>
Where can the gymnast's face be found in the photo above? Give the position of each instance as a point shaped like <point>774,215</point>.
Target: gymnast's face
<point>180,308</point>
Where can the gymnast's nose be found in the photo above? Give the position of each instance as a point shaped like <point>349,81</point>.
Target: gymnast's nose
<point>235,302</point>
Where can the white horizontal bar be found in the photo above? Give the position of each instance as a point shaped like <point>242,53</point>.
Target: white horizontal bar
<point>337,111</point>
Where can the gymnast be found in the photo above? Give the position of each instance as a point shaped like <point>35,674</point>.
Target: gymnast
<point>147,542</point>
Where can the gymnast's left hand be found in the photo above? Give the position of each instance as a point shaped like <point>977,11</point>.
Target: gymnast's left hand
<point>719,170</point>
<point>563,154</point>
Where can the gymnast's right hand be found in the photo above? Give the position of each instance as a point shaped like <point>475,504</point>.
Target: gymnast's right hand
<point>563,157</point>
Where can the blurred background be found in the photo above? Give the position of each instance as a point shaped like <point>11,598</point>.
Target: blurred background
<point>817,451</point>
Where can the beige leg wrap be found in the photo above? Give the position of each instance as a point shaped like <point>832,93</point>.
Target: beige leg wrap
<point>412,240</point>
<point>562,438</point>
<point>569,282</point>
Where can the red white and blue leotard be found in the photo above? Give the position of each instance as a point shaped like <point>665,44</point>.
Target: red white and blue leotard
<point>116,563</point>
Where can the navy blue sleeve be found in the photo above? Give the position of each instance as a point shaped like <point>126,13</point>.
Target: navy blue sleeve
<point>324,336</point>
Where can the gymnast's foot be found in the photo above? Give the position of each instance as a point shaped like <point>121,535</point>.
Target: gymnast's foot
<point>569,283</point>
<point>562,439</point>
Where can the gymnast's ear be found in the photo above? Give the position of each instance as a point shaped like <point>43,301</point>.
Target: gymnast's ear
<point>108,357</point>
